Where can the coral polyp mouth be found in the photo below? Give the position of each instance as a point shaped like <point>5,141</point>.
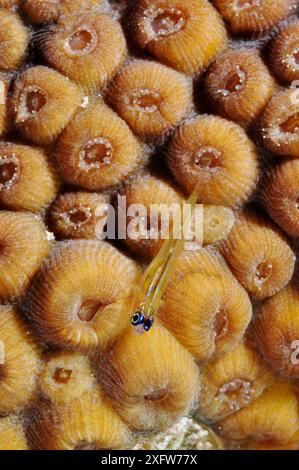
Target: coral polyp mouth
<point>246,4</point>
<point>96,153</point>
<point>32,101</point>
<point>291,125</point>
<point>36,100</point>
<point>157,395</point>
<point>9,171</point>
<point>145,100</point>
<point>208,158</point>
<point>89,309</point>
<point>263,272</point>
<point>220,324</point>
<point>166,21</point>
<point>235,82</point>
<point>82,42</point>
<point>237,393</point>
<point>62,376</point>
<point>79,216</point>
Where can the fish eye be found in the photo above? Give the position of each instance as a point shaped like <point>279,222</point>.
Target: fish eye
<point>137,318</point>
<point>148,324</point>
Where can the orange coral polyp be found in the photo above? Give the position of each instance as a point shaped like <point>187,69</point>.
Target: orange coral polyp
<point>254,17</point>
<point>284,54</point>
<point>175,31</point>
<point>238,85</point>
<point>87,46</point>
<point>218,156</point>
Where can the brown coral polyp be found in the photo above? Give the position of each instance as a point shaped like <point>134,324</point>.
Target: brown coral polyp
<point>9,3</point>
<point>280,123</point>
<point>276,331</point>
<point>87,423</point>
<point>14,40</point>
<point>12,434</point>
<point>217,223</point>
<point>232,382</point>
<point>270,422</point>
<point>88,47</point>
<point>23,237</point>
<point>65,376</point>
<point>238,85</point>
<point>259,255</point>
<point>254,17</point>
<point>207,314</point>
<point>284,57</point>
<point>186,35</point>
<point>145,231</point>
<point>19,361</point>
<point>150,97</point>
<point>216,156</point>
<point>43,102</point>
<point>162,385</point>
<point>280,196</point>
<point>87,310</point>
<point>79,215</point>
<point>27,178</point>
<point>45,11</point>
<point>97,150</point>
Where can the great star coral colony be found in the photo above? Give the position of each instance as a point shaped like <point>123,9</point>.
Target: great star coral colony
<point>94,96</point>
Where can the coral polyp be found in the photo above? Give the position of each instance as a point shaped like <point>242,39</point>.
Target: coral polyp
<point>218,157</point>
<point>27,178</point>
<point>12,434</point>
<point>88,423</point>
<point>280,195</point>
<point>146,232</point>
<point>19,362</point>
<point>97,150</point>
<point>232,382</point>
<point>280,123</point>
<point>43,103</point>
<point>162,386</point>
<point>79,215</point>
<point>217,223</point>
<point>14,40</point>
<point>211,319</point>
<point>259,255</point>
<point>239,85</point>
<point>46,11</point>
<point>65,376</point>
<point>23,237</point>
<point>276,331</point>
<point>87,310</point>
<point>42,11</point>
<point>9,3</point>
<point>88,47</point>
<point>151,98</point>
<point>285,53</point>
<point>254,17</point>
<point>270,422</point>
<point>187,35</point>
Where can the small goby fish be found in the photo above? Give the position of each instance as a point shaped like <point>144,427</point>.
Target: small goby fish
<point>154,280</point>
